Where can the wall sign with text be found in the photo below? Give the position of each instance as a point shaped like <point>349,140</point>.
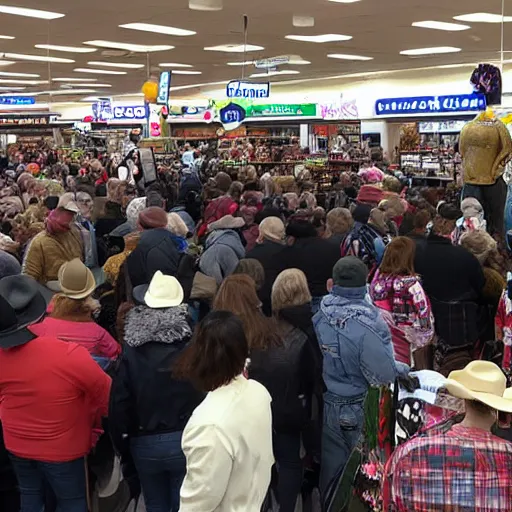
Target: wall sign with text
<point>240,89</point>
<point>17,100</point>
<point>430,104</point>
<point>136,113</point>
<point>163,88</point>
<point>24,121</point>
<point>285,109</point>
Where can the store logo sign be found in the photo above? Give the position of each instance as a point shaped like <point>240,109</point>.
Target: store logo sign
<point>136,113</point>
<point>252,90</point>
<point>163,88</point>
<point>430,104</point>
<point>341,110</point>
<point>232,116</point>
<point>282,109</point>
<point>17,100</point>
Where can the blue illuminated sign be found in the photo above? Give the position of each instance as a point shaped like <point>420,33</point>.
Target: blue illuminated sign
<point>232,113</point>
<point>163,88</point>
<point>240,89</point>
<point>17,100</point>
<point>431,104</point>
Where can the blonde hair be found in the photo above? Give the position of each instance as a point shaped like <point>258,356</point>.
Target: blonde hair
<point>176,225</point>
<point>339,221</point>
<point>290,289</point>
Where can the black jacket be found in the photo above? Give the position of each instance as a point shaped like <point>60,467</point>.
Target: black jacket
<point>145,398</point>
<point>112,218</point>
<point>316,257</point>
<point>155,251</point>
<point>290,372</point>
<point>267,254</point>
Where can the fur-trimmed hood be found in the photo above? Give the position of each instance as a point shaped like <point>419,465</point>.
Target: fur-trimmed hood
<point>146,325</point>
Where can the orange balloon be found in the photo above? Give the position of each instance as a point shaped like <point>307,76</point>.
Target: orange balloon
<point>150,91</point>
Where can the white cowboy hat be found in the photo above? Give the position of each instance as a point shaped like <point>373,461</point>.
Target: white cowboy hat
<point>163,292</point>
<point>482,381</point>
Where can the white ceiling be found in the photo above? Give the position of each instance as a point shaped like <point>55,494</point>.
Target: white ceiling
<point>380,29</point>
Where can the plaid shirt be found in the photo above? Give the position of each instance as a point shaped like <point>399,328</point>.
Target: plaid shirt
<point>461,470</point>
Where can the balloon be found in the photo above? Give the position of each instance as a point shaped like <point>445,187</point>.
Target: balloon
<point>33,168</point>
<point>150,91</point>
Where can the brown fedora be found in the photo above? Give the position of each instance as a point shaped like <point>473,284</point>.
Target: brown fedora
<point>76,281</point>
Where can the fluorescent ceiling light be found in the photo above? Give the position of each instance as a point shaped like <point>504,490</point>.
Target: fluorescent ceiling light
<point>22,82</point>
<point>483,17</point>
<point>174,65</point>
<point>68,49</point>
<point>345,1</point>
<point>185,72</point>
<point>30,13</point>
<point>130,47</point>
<point>89,85</point>
<point>321,38</point>
<point>99,71</point>
<point>37,58</point>
<point>6,62</point>
<point>12,88</point>
<point>115,64</point>
<point>159,29</point>
<point>234,48</point>
<point>431,51</point>
<point>246,63</point>
<point>21,75</point>
<point>7,37</point>
<point>441,25</point>
<point>63,92</point>
<point>75,79</point>
<point>274,73</point>
<point>344,56</point>
<point>91,99</point>
<point>291,62</point>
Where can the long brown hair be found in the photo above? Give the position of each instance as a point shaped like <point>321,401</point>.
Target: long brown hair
<point>237,294</point>
<point>399,257</point>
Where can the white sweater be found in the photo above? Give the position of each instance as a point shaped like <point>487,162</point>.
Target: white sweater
<point>228,446</point>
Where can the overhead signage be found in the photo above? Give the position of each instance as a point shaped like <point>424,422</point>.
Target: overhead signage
<point>277,109</point>
<point>449,126</point>
<point>431,104</point>
<point>24,120</point>
<point>102,110</point>
<point>163,88</point>
<point>232,116</point>
<point>17,100</point>
<point>339,110</point>
<point>130,113</point>
<point>273,62</point>
<point>252,90</point>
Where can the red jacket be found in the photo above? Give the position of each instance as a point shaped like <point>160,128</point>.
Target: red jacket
<point>90,335</point>
<point>51,394</point>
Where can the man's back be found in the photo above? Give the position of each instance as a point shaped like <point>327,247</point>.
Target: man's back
<point>464,469</point>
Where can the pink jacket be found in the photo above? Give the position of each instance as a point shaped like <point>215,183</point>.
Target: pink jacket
<point>90,335</point>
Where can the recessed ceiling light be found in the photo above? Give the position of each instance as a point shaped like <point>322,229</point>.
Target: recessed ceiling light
<point>344,56</point>
<point>37,58</point>
<point>74,84</point>
<point>21,75</point>
<point>7,37</point>
<point>130,47</point>
<point>431,51</point>
<point>274,73</point>
<point>159,29</point>
<point>234,48</point>
<point>74,79</point>
<point>441,25</point>
<point>99,71</point>
<point>30,13</point>
<point>174,65</point>
<point>22,82</point>
<point>483,17</point>
<point>185,72</point>
<point>115,64</point>
<point>321,38</point>
<point>69,49</point>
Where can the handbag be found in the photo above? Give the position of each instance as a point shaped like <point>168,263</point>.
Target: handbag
<point>203,287</point>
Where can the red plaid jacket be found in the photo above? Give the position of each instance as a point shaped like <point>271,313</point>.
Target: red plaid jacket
<point>461,470</point>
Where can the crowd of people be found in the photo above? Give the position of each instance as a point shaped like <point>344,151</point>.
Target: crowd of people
<point>234,343</point>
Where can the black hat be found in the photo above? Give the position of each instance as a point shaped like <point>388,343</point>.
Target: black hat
<point>449,211</point>
<point>350,272</point>
<point>21,304</point>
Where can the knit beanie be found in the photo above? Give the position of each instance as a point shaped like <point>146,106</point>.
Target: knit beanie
<point>152,218</point>
<point>350,272</point>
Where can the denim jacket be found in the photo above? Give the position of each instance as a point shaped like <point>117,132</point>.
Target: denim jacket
<point>355,342</point>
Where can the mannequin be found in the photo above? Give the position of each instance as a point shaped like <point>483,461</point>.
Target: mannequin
<point>486,147</point>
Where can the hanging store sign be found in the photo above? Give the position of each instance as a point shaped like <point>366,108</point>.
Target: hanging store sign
<point>135,113</point>
<point>17,100</point>
<point>253,90</point>
<point>276,109</point>
<point>450,126</point>
<point>232,116</point>
<point>273,62</point>
<point>431,104</point>
<point>163,88</point>
<point>38,121</point>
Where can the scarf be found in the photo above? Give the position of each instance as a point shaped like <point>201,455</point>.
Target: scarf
<point>59,221</point>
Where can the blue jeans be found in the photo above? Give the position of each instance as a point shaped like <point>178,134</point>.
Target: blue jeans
<point>289,469</point>
<point>66,479</point>
<point>342,428</point>
<point>161,466</point>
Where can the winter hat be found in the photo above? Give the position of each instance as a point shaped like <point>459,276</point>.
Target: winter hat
<point>448,211</point>
<point>272,228</point>
<point>227,222</point>
<point>350,272</point>
<point>361,213</point>
<point>471,207</point>
<point>134,208</point>
<point>301,229</point>
<point>152,218</point>
<point>223,181</point>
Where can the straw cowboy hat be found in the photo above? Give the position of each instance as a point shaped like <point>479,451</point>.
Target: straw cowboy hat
<point>163,292</point>
<point>482,381</point>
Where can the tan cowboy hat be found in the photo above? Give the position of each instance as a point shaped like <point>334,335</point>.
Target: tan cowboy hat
<point>76,281</point>
<point>482,381</point>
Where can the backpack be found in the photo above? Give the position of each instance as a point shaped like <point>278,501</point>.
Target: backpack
<point>360,242</point>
